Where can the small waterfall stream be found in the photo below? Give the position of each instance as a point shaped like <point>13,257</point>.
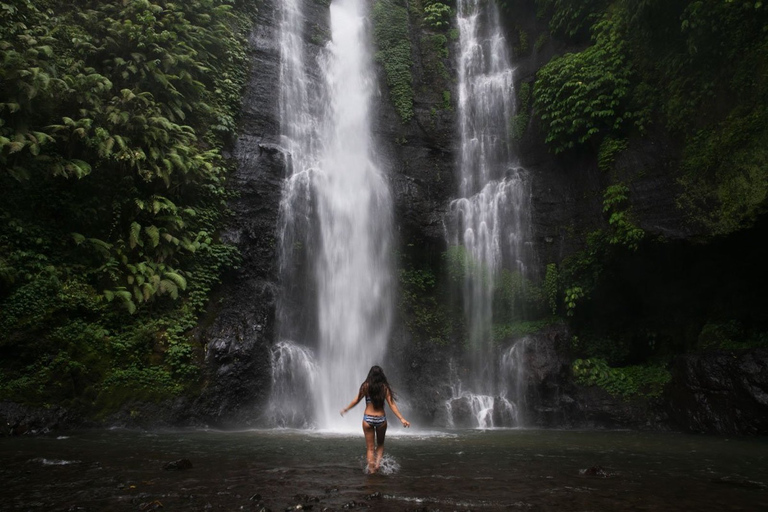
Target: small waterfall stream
<point>489,221</point>
<point>336,305</point>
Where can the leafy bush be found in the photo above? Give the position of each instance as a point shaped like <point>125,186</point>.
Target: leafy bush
<point>725,172</point>
<point>623,231</point>
<point>585,96</point>
<point>392,37</point>
<point>426,315</point>
<point>519,329</point>
<point>437,14</point>
<point>113,120</point>
<point>519,122</point>
<point>551,287</point>
<point>572,18</point>
<point>730,335</point>
<point>609,148</point>
<point>627,382</point>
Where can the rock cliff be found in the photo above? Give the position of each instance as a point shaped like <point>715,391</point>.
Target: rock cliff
<point>421,158</point>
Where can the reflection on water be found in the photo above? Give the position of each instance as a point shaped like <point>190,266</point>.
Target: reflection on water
<point>458,470</point>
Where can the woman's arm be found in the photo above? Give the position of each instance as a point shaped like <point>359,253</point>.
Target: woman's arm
<point>393,406</point>
<point>354,402</point>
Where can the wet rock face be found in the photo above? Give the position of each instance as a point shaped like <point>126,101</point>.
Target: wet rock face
<point>553,400</point>
<point>420,155</point>
<point>722,392</point>
<point>17,419</point>
<point>241,319</point>
<point>718,392</point>
<point>567,189</point>
<point>242,326</point>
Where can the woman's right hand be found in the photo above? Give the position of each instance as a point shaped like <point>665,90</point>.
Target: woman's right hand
<point>405,422</point>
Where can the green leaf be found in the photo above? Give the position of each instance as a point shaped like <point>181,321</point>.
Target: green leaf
<point>133,238</point>
<point>176,278</point>
<point>154,235</point>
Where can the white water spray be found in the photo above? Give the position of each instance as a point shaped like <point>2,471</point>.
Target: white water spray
<point>335,212</point>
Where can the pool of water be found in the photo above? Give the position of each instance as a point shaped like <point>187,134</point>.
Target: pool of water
<point>453,470</point>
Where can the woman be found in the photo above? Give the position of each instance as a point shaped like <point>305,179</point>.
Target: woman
<point>376,391</point>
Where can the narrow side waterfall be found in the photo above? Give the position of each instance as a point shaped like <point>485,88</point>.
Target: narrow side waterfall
<point>489,223</point>
<point>335,307</point>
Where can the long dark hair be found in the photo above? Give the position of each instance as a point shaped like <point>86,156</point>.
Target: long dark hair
<point>376,387</point>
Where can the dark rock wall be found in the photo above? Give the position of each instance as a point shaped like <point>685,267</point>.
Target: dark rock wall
<point>244,324</point>
<point>420,160</point>
<point>724,392</point>
<point>238,339</point>
<point>568,188</point>
<point>553,400</point>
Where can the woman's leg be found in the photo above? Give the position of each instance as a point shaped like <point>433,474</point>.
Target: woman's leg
<point>369,432</point>
<point>381,433</point>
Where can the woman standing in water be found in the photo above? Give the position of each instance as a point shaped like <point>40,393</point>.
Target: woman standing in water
<point>376,391</point>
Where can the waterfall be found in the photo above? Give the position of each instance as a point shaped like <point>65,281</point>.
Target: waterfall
<point>489,223</point>
<point>294,376</point>
<point>335,218</point>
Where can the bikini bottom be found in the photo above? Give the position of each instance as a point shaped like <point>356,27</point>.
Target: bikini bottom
<point>374,421</point>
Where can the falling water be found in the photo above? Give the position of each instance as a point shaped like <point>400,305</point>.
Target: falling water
<point>335,215</point>
<point>294,376</point>
<point>489,221</point>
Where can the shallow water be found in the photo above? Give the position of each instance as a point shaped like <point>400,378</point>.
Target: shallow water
<point>456,470</point>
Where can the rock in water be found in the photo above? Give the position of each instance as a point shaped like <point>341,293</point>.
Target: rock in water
<point>178,465</point>
<point>594,471</point>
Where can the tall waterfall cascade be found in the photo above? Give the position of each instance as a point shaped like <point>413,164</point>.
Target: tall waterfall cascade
<point>336,300</point>
<point>489,223</point>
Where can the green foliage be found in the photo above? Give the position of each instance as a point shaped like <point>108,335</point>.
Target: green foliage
<point>706,61</point>
<point>709,58</point>
<point>627,382</point>
<point>725,172</point>
<point>586,95</point>
<point>519,329</point>
<point>514,295</point>
<point>572,18</point>
<point>459,263</point>
<point>614,350</point>
<point>572,296</point>
<point>623,231</point>
<point>551,287</point>
<point>609,148</point>
<point>426,317</point>
<point>522,47</point>
<point>392,37</point>
<point>519,121</point>
<point>581,271</point>
<point>730,335</point>
<point>437,14</point>
<point>434,18</point>
<point>113,117</point>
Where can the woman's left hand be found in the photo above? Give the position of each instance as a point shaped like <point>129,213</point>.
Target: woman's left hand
<point>406,423</point>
